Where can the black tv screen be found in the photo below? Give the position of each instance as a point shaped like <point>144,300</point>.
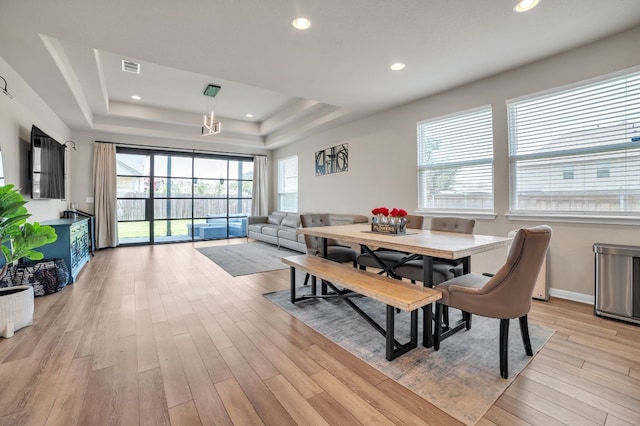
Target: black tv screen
<point>47,166</point>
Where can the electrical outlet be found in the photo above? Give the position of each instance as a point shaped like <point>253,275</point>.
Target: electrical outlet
<point>89,199</point>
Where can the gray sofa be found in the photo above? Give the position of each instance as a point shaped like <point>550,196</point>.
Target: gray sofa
<point>279,228</point>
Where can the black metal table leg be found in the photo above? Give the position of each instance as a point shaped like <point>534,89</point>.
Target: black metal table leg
<point>292,274</point>
<point>323,284</point>
<point>393,348</point>
<point>390,331</point>
<point>427,318</point>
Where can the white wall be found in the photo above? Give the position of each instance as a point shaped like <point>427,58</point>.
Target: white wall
<point>17,115</point>
<point>383,156</point>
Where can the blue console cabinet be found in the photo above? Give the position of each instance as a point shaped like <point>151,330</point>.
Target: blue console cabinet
<point>72,244</point>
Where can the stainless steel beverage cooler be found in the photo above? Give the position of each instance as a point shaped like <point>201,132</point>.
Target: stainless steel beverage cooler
<point>617,276</point>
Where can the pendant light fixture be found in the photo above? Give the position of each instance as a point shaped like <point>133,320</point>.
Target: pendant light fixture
<point>210,126</point>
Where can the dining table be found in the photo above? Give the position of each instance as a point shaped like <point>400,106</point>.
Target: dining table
<point>417,243</point>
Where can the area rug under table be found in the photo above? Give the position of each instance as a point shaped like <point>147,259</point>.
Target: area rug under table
<point>247,258</point>
<point>462,378</point>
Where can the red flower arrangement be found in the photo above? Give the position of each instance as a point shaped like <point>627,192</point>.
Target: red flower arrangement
<point>385,212</point>
<point>398,212</point>
<point>380,211</point>
<point>388,221</point>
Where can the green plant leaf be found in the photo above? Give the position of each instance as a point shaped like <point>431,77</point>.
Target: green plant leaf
<point>18,237</point>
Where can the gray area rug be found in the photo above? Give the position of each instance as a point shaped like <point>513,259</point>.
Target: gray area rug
<point>462,378</point>
<point>248,258</point>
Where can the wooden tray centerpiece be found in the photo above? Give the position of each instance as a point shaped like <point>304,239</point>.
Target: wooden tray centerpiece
<point>385,221</point>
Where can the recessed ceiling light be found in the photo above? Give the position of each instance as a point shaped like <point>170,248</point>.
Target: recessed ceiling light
<point>136,97</point>
<point>397,66</point>
<point>525,5</point>
<point>249,115</point>
<point>301,23</point>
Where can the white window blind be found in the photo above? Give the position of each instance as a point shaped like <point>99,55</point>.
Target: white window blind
<point>288,184</point>
<point>577,151</point>
<point>455,162</point>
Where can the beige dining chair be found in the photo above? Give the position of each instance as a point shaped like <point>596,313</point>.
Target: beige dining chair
<point>505,295</point>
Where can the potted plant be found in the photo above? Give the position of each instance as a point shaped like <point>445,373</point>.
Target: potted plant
<point>18,237</point>
<point>18,240</point>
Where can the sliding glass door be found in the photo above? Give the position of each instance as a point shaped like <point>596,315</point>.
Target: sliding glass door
<point>222,197</point>
<point>172,210</point>
<point>175,196</point>
<point>133,183</point>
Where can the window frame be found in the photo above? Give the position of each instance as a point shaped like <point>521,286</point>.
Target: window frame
<point>281,189</point>
<point>423,193</point>
<point>589,170</point>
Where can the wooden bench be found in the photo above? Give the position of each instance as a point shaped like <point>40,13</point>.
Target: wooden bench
<point>393,293</point>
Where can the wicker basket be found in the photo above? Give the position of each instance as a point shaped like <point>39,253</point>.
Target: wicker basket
<point>45,276</point>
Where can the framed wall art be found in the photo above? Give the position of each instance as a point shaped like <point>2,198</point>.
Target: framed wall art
<point>332,160</point>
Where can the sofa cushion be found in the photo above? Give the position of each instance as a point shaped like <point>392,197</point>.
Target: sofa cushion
<point>275,218</point>
<point>291,220</point>
<point>288,234</point>
<point>256,219</point>
<point>256,227</point>
<point>271,230</point>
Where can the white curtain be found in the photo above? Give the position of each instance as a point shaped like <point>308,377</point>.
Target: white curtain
<point>260,203</point>
<point>104,194</point>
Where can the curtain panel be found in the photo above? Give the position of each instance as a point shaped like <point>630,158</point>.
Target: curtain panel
<point>260,203</point>
<point>104,194</point>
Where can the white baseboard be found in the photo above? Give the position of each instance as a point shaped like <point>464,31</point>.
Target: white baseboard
<point>570,295</point>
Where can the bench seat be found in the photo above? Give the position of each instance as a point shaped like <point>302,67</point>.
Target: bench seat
<point>393,293</point>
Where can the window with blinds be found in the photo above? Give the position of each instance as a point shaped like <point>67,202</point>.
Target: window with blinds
<point>455,162</point>
<point>576,152</point>
<point>288,184</point>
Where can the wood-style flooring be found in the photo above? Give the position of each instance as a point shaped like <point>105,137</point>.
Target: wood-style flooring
<point>160,335</point>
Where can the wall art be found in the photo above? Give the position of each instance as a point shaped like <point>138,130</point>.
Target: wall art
<point>332,160</point>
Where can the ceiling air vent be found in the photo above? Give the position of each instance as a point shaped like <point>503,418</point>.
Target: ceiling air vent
<point>129,66</point>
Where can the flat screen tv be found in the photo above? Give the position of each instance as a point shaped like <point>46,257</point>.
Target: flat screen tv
<point>47,166</point>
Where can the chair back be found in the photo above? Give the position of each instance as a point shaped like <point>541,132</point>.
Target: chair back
<point>309,220</point>
<point>508,293</point>
<point>414,221</point>
<point>452,224</point>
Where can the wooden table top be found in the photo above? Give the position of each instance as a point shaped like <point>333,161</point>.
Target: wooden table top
<point>446,245</point>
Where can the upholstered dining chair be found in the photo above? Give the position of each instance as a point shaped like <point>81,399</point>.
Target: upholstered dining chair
<point>389,257</point>
<point>443,269</point>
<point>505,295</point>
<point>335,251</point>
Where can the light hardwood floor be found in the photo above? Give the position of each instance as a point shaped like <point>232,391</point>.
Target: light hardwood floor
<point>161,335</point>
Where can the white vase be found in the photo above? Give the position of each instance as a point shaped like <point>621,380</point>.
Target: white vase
<point>16,309</point>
